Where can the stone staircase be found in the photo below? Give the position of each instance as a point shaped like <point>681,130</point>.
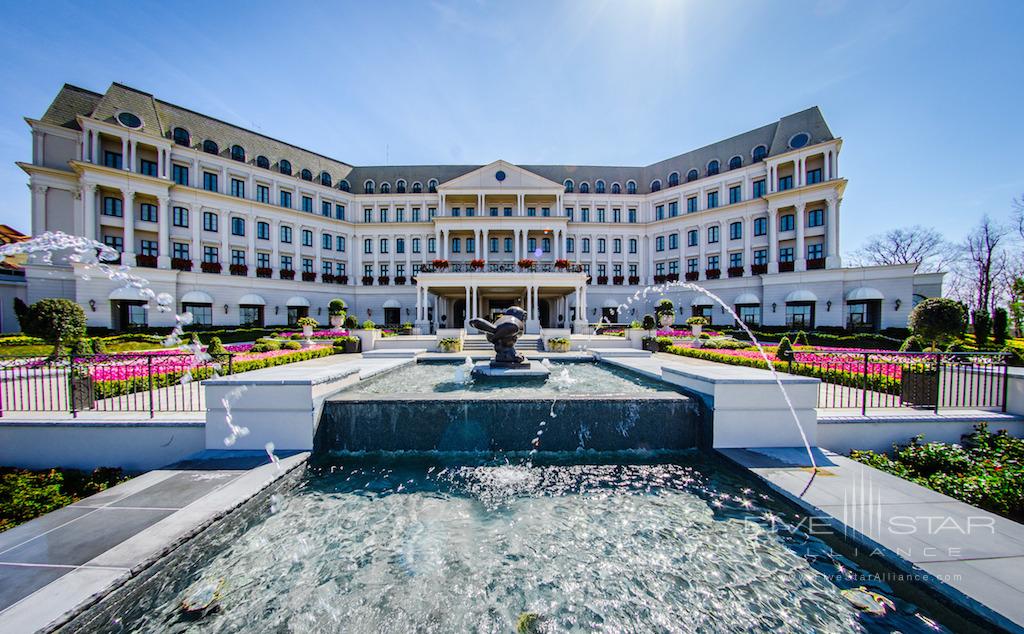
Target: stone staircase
<point>479,343</point>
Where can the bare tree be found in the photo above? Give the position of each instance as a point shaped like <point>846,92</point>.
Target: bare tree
<point>1018,215</point>
<point>906,245</point>
<point>987,262</point>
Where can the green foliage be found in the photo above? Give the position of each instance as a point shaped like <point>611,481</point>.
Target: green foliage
<point>296,336</point>
<point>99,346</point>
<point>292,345</point>
<point>369,325</point>
<point>336,307</point>
<point>982,328</point>
<point>25,494</point>
<point>216,349</point>
<point>724,343</point>
<point>450,344</point>
<point>82,346</point>
<point>21,312</point>
<point>265,345</point>
<point>634,324</point>
<point>819,338</point>
<point>911,344</point>
<point>801,339</point>
<point>937,320</point>
<point>307,322</point>
<point>21,340</point>
<point>957,345</point>
<point>697,320</point>
<point>340,341</point>
<point>785,350</point>
<point>1016,351</point>
<point>649,323</point>
<point>1000,326</point>
<point>664,307</point>
<point>351,322</point>
<point>985,469</point>
<point>60,322</point>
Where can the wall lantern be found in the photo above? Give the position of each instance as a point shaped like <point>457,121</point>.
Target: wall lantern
<point>319,309</point>
<point>898,303</point>
<point>92,305</point>
<point>408,311</point>
<point>225,309</point>
<point>369,312</point>
<point>828,305</point>
<point>593,311</point>
<point>277,309</point>
<point>773,307</point>
<point>632,311</point>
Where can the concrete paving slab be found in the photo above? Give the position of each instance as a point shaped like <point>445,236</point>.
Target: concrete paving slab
<point>179,490</point>
<point>41,608</point>
<point>21,581</point>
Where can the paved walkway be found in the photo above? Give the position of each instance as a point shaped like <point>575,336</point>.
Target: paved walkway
<point>54,564</point>
<point>975,558</point>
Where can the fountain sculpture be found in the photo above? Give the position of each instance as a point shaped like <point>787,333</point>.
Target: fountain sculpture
<point>503,335</point>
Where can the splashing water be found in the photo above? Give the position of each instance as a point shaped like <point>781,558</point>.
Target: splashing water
<point>273,458</point>
<point>234,431</point>
<point>464,373</point>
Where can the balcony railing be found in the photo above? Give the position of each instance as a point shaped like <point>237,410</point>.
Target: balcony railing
<point>501,267</point>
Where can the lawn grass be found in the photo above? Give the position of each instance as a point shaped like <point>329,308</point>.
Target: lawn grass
<point>25,494</point>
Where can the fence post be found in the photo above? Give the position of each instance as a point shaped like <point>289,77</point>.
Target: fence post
<point>71,386</point>
<point>938,380</point>
<point>149,367</point>
<point>231,361</point>
<point>1006,380</point>
<point>864,388</point>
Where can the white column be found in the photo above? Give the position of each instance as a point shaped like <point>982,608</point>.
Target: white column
<point>515,243</point>
<point>95,146</point>
<point>702,254</point>
<point>224,225</point>
<point>275,245</point>
<point>163,217</point>
<point>747,255</point>
<point>773,240</point>
<point>195,219</point>
<point>486,245</point>
<point>159,162</point>
<point>89,210</point>
<point>125,160</point>
<point>375,248</point>
<point>801,261</point>
<point>250,256</point>
<point>39,208</point>
<point>832,259</point>
<point>134,145</point>
<point>129,228</point>
<point>465,321</point>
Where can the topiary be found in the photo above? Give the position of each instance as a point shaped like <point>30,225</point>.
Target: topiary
<point>21,312</point>
<point>649,323</point>
<point>911,344</point>
<point>292,345</point>
<point>982,327</point>
<point>784,351</point>
<point>369,325</point>
<point>336,307</point>
<point>1000,326</point>
<point>801,339</point>
<point>936,320</point>
<point>216,349</point>
<point>60,322</point>
<point>634,324</point>
<point>351,322</point>
<point>82,346</point>
<point>664,306</point>
<point>307,322</point>
<point>697,320</point>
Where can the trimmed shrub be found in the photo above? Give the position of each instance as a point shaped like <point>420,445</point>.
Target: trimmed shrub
<point>697,320</point>
<point>982,328</point>
<point>351,322</point>
<point>911,344</point>
<point>60,322</point>
<point>801,339</point>
<point>216,349</point>
<point>785,350</point>
<point>99,346</point>
<point>649,323</point>
<point>307,321</point>
<point>21,312</point>
<point>1000,326</point>
<point>336,307</point>
<point>664,307</point>
<point>368,325</point>
<point>292,345</point>
<point>936,320</point>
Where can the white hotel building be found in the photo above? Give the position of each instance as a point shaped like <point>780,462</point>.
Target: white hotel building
<point>242,228</point>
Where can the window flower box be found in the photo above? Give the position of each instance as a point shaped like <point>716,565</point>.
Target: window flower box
<point>692,276</point>
<point>713,274</point>
<point>440,264</point>
<point>286,274</point>
<point>476,264</point>
<point>383,280</point>
<point>148,261</point>
<point>181,264</point>
<point>617,280</point>
<point>561,264</point>
<point>527,263</point>
<point>758,269</point>
<point>660,279</point>
<point>815,263</point>
<point>672,277</point>
<point>602,280</point>
<point>264,271</point>
<point>634,280</point>
<point>327,278</point>
<point>210,267</point>
<point>308,276</point>
<point>240,270</point>
<point>735,271</point>
<point>367,280</point>
<point>341,279</point>
<point>786,267</point>
<point>400,280</point>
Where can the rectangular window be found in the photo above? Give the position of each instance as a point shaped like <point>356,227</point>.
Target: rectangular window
<point>760,226</point>
<point>508,245</point>
<point>339,243</point>
<point>507,212</point>
<point>470,212</point>
<point>734,194</point>
<point>238,226</point>
<point>758,189</point>
<point>494,211</point>
<point>339,212</point>
<point>616,216</point>
<point>263,194</point>
<point>617,245</point>
<point>602,245</point>
<point>307,238</point>
<point>179,174</point>
<point>785,182</point>
<point>814,252</point>
<point>456,212</point>
<point>786,254</point>
<point>493,246</point>
<point>327,242</point>
<point>735,260</point>
<point>570,245</point>
<point>569,213</point>
<point>400,214</point>
<point>202,314</point>
<point>673,209</point>
<point>286,234</point>
<point>179,216</point>
<point>286,262</point>
<point>761,257</point>
<point>237,188</point>
<point>531,211</point>
<point>368,245</point>
<point>285,200</point>
<point>815,218</point>
<point>691,265</point>
<point>673,267</point>
<point>545,212</point>
<point>147,212</point>
<point>112,159</point>
<point>673,241</point>
<point>632,216</point>
<point>367,215</point>
<point>149,168</point>
<point>713,262</point>
<point>325,209</point>
<point>712,199</point>
<point>691,204</point>
<point>633,269</point>
<point>735,230</point>
<point>814,176</point>
<point>399,245</point>
<point>263,230</point>
<point>632,245</point>
<point>602,270</point>
<point>660,243</point>
<point>692,238</point>
<point>307,265</point>
<point>263,260</point>
<point>750,315</point>
<point>327,268</point>
<point>659,212</point>
<point>148,247</point>
<point>384,214</point>
<point>787,222</point>
<point>456,245</point>
<point>238,257</point>
<point>470,245</point>
<point>800,315</point>
<point>431,212</point>
<point>660,268</point>
<point>209,221</point>
<point>586,245</point>
<point>416,244</point>
<point>179,250</point>
<point>532,242</point>
<point>584,214</point>
<point>600,214</point>
<point>211,255</point>
<point>307,203</point>
<point>113,206</point>
<point>209,181</point>
<point>712,235</point>
<point>545,245</point>
<point>431,245</point>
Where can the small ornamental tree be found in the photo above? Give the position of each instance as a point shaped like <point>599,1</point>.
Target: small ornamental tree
<point>982,328</point>
<point>60,322</point>
<point>697,320</point>
<point>936,320</point>
<point>1000,326</point>
<point>336,308</point>
<point>801,338</point>
<point>911,344</point>
<point>784,351</point>
<point>217,350</point>
<point>649,323</point>
<point>664,306</point>
<point>307,322</point>
<point>351,322</point>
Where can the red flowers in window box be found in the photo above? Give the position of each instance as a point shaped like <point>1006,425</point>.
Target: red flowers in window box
<point>238,269</point>
<point>383,280</point>
<point>476,264</point>
<point>602,280</point>
<point>672,277</point>
<point>735,271</point>
<point>210,267</point>
<point>264,271</point>
<point>308,276</point>
<point>561,264</point>
<point>148,261</point>
<point>400,280</point>
<point>660,279</point>
<point>287,274</point>
<point>440,263</point>
<point>367,280</point>
<point>327,278</point>
<point>815,263</point>
<point>692,276</point>
<point>758,269</point>
<point>527,263</point>
<point>341,279</point>
<point>713,274</point>
<point>617,280</point>
<point>634,280</point>
<point>181,264</point>
<point>785,267</point>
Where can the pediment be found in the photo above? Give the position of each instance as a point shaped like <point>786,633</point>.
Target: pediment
<point>489,176</point>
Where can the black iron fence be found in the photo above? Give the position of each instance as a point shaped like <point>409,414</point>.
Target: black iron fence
<point>123,382</point>
<point>882,379</point>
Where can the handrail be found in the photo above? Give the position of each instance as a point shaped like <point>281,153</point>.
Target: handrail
<point>501,267</point>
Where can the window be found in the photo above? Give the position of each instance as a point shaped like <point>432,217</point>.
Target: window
<point>673,241</point>
<point>238,226</point>
<point>735,162</point>
<point>263,230</point>
<point>307,203</point>
<point>307,238</point>
<point>202,314</point>
<point>569,213</point>
<point>250,315</point>
<point>238,153</point>
<point>734,194</point>
<point>786,254</point>
<point>787,222</point>
<point>799,140</point>
<point>417,187</point>
<point>399,245</point>
<point>508,245</point>
<point>262,162</point>
<point>785,182</point>
<point>758,188</point>
<point>616,188</point>
<point>507,212</point>
<point>327,268</point>
<point>655,185</point>
<point>432,244</point>
<point>713,168</point>
<point>327,242</point>
<point>712,199</point>
<point>814,251</point>
<point>633,245</point>
<point>325,179</point>
<point>339,243</point>
<point>586,245</point>
<point>545,245</point>
<point>616,215</point>
<point>182,137</point>
<point>599,187</point>
<point>238,257</point>
<point>713,263</point>
<point>432,186</point>
<point>602,245</point>
<point>344,186</point>
<point>735,230</point>
<point>179,174</point>
<point>584,188</point>
<point>112,159</point>
<point>339,212</point>
<point>286,200</point>
<point>457,245</point>
<point>385,188</point>
<point>584,214</point>
<point>456,212</point>
<point>147,212</point>
<point>209,181</point>
<point>545,211</point>
<point>691,265</point>
<point>568,185</point>
<point>286,234</point>
<point>691,204</point>
<point>814,176</point>
<point>713,234</point>
<point>659,212</point>
<point>148,247</point>
<point>286,262</point>
<point>761,257</point>
<point>209,221</point>
<point>325,208</point>
<point>750,314</point>
<point>631,187</point>
<point>263,194</point>
<point>530,211</point>
<point>570,245</point>
<point>149,167</point>
<point>211,147</point>
<point>384,214</point>
<point>760,226</point>
<point>284,167</point>
<point>368,245</point>
<point>735,260</point>
<point>237,188</point>
<point>759,153</point>
<point>179,217</point>
<point>470,212</point>
<point>211,255</point>
<point>306,175</point>
<point>416,243</point>
<point>673,179</point>
<point>815,218</point>
<point>179,250</point>
<point>692,175</point>
<point>800,314</point>
<point>659,243</point>
<point>114,242</point>
<point>692,238</point>
<point>367,214</point>
<point>492,246</point>
<point>400,214</point>
<point>617,245</point>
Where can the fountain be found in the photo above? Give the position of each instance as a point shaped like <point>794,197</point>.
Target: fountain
<point>503,335</point>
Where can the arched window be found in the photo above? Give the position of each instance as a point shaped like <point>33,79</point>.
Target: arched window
<point>182,137</point>
<point>417,187</point>
<point>599,187</point>
<point>673,179</point>
<point>736,162</point>
<point>385,188</point>
<point>713,167</point>
<point>568,185</point>
<point>238,153</point>
<point>432,186</point>
<point>306,175</point>
<point>284,167</point>
<point>655,185</point>
<point>325,179</point>
<point>210,147</point>
<point>584,188</point>
<point>616,188</point>
<point>400,187</point>
<point>631,187</point>
<point>262,161</point>
<point>344,186</point>
<point>368,187</point>
<point>759,153</point>
<point>692,175</point>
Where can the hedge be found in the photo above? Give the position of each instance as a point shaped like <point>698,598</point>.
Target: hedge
<point>227,335</point>
<point>818,338</point>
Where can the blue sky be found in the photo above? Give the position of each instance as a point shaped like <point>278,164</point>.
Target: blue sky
<point>926,95</point>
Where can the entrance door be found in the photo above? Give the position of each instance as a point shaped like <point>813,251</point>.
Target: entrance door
<point>128,314</point>
<point>392,316</point>
<point>458,316</point>
<point>496,307</point>
<point>295,313</point>
<point>545,313</point>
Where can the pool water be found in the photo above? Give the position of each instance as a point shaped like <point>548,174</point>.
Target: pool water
<point>676,543</point>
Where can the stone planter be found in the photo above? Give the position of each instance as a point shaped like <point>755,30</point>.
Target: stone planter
<point>307,331</point>
<point>562,346</point>
<point>337,321</point>
<point>350,347</point>
<point>696,329</point>
<point>455,346</point>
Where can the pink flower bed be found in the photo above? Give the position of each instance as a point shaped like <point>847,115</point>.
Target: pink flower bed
<point>174,360</point>
<point>664,332</point>
<point>318,334</point>
<point>841,359</point>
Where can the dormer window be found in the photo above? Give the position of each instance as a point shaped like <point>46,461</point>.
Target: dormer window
<point>129,120</point>
<point>616,188</point>
<point>655,185</point>
<point>368,187</point>
<point>263,162</point>
<point>759,153</point>
<point>238,153</point>
<point>432,186</point>
<point>799,140</point>
<point>568,185</point>
<point>631,187</point>
<point>584,188</point>
<point>385,188</point>
<point>735,162</point>
<point>210,147</point>
<point>713,167</point>
<point>692,175</point>
<point>417,187</point>
<point>599,187</point>
<point>325,179</point>
<point>306,175</point>
<point>182,137</point>
<point>400,187</point>
<point>673,179</point>
<point>344,186</point>
<point>284,167</point>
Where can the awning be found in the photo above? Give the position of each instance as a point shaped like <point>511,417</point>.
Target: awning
<point>392,303</point>
<point>746,298</point>
<point>196,297</point>
<point>864,293</point>
<point>128,293</point>
<point>297,301</point>
<point>252,300</point>
<point>702,300</point>
<point>801,296</point>
<point>610,303</point>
